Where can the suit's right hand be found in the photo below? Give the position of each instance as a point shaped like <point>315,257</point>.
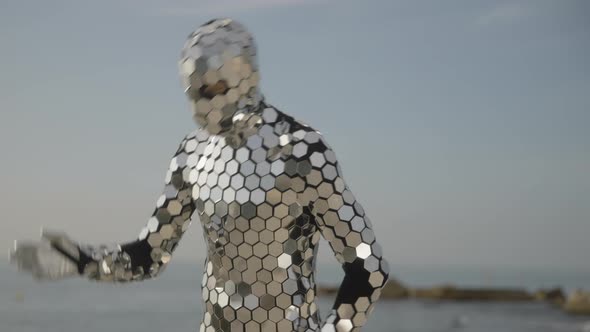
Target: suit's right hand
<point>43,260</point>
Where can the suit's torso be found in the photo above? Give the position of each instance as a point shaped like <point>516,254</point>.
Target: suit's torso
<point>261,237</point>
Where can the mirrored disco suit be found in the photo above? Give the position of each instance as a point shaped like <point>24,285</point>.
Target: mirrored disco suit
<point>265,188</point>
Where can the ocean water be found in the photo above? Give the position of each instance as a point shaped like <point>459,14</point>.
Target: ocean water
<point>172,303</point>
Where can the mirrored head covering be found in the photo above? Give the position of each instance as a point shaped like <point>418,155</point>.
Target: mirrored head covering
<point>219,70</point>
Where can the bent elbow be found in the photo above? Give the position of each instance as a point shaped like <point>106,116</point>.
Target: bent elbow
<point>383,272</point>
<point>379,279</point>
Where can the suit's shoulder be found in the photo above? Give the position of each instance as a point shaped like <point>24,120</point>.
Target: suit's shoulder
<point>191,142</point>
<point>198,135</point>
<point>297,139</point>
<point>286,124</point>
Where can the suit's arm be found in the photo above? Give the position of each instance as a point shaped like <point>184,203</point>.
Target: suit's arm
<point>343,223</point>
<point>150,253</point>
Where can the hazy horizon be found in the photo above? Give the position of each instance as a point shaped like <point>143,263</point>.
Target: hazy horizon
<point>461,126</point>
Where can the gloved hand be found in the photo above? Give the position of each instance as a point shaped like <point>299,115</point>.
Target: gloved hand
<point>54,257</point>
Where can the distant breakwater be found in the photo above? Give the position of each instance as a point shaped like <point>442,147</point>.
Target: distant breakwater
<point>577,302</point>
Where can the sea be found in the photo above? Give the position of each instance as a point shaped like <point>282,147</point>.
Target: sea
<point>171,302</point>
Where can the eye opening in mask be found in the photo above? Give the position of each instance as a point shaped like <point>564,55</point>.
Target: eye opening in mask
<point>210,91</point>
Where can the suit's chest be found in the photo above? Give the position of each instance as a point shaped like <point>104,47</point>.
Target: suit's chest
<point>260,179</point>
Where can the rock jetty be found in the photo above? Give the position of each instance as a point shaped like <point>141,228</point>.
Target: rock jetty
<point>471,294</point>
<point>576,303</point>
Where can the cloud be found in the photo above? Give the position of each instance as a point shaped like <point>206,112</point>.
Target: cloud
<point>216,7</point>
<point>505,13</point>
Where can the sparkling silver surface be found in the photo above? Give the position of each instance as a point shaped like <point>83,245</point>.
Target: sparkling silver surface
<point>265,188</point>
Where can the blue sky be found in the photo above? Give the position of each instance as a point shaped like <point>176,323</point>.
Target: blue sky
<point>462,126</point>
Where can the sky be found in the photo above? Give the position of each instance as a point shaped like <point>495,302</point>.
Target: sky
<point>463,127</point>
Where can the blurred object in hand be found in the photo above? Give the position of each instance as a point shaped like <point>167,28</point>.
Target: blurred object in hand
<point>54,257</point>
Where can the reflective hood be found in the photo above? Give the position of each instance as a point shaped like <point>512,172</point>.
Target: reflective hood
<point>219,71</point>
